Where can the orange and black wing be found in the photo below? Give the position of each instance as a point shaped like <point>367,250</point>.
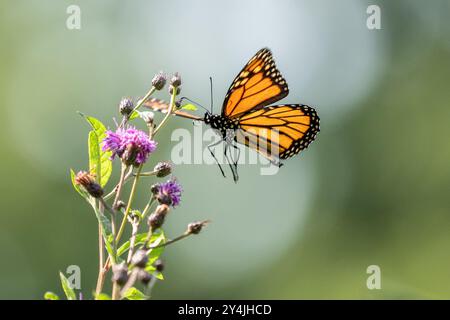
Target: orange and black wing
<point>162,106</point>
<point>257,85</point>
<point>279,132</point>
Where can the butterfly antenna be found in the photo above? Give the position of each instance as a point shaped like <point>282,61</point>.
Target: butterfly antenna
<point>211,85</point>
<point>194,102</point>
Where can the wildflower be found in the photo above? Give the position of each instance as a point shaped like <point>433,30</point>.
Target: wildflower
<point>168,193</point>
<point>156,219</point>
<point>126,106</point>
<point>131,145</point>
<point>87,181</point>
<point>120,273</point>
<point>159,81</point>
<point>163,169</point>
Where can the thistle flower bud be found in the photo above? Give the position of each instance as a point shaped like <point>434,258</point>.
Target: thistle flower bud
<point>196,227</point>
<point>144,277</point>
<point>139,259</point>
<point>159,265</point>
<point>120,273</point>
<point>156,219</point>
<point>163,169</point>
<point>126,106</point>
<point>175,81</point>
<point>87,181</point>
<point>159,80</point>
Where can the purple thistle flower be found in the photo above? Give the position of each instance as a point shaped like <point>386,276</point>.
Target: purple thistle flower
<point>131,145</point>
<point>168,193</point>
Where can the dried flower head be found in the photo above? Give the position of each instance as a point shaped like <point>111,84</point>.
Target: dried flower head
<point>156,219</point>
<point>168,193</point>
<point>131,145</point>
<point>163,169</point>
<point>126,105</point>
<point>120,273</point>
<point>159,80</point>
<point>87,181</point>
<point>196,227</point>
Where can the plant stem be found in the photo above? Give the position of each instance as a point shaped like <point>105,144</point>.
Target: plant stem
<point>169,112</point>
<point>130,201</point>
<point>119,186</point>
<point>135,226</point>
<point>114,190</point>
<point>184,235</point>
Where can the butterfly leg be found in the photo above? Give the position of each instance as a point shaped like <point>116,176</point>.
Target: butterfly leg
<point>214,156</point>
<point>232,163</point>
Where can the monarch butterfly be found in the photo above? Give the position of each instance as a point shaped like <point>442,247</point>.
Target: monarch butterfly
<point>277,132</point>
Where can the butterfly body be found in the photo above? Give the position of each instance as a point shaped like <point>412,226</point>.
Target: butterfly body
<point>274,131</point>
<point>224,126</point>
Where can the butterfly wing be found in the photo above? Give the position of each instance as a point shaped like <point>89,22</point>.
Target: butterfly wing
<point>279,132</point>
<point>257,85</point>
<point>162,106</point>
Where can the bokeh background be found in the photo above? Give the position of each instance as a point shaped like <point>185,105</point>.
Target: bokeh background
<point>374,189</point>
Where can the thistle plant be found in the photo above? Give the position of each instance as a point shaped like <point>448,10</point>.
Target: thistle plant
<point>134,264</point>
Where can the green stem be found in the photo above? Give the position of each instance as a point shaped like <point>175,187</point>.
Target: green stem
<point>130,201</point>
<point>169,112</point>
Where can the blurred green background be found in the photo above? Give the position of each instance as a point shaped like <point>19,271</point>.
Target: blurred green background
<point>374,189</point>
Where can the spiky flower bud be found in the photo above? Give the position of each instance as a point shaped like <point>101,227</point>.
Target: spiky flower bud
<point>163,169</point>
<point>159,80</point>
<point>156,219</point>
<point>144,277</point>
<point>175,80</point>
<point>139,258</point>
<point>120,273</point>
<point>87,181</point>
<point>196,227</point>
<point>126,105</point>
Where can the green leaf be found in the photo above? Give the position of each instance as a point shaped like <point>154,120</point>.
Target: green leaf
<point>83,193</point>
<point>156,253</point>
<point>107,233</point>
<point>50,296</point>
<point>134,115</point>
<point>94,154</point>
<point>140,239</point>
<point>156,238</point>
<point>70,294</point>
<point>105,169</point>
<point>134,294</point>
<point>102,296</point>
<point>189,107</point>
